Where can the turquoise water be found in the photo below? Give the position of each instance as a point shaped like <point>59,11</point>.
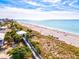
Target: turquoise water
<point>66,25</point>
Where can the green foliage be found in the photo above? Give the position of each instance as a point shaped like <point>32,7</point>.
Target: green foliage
<point>29,30</point>
<point>49,37</point>
<point>68,48</point>
<point>38,49</point>
<point>13,32</point>
<point>61,47</point>
<point>17,38</point>
<point>0,24</point>
<point>36,46</point>
<point>28,35</point>
<point>8,37</point>
<point>12,37</point>
<point>20,53</point>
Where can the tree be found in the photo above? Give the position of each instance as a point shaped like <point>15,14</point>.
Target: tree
<point>0,23</point>
<point>20,53</point>
<point>12,37</point>
<point>8,37</point>
<point>17,53</point>
<point>17,38</point>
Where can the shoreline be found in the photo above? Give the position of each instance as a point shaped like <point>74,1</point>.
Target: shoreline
<point>69,38</point>
<point>53,28</point>
<point>56,29</point>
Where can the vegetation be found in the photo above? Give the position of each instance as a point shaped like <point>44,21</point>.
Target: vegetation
<point>60,48</point>
<point>12,37</point>
<point>36,45</point>
<point>50,37</point>
<point>0,24</point>
<point>20,53</point>
<point>48,46</point>
<point>70,48</point>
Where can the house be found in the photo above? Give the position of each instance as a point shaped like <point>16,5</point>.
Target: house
<point>2,35</point>
<point>3,28</point>
<point>21,33</point>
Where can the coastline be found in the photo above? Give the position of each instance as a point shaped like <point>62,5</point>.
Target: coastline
<point>53,28</point>
<point>69,38</point>
<point>50,28</point>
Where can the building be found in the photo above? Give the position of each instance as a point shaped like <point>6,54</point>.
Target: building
<point>3,30</point>
<point>2,35</point>
<point>21,33</point>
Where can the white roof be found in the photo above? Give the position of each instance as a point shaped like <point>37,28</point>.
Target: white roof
<point>2,35</point>
<point>4,27</point>
<point>21,32</point>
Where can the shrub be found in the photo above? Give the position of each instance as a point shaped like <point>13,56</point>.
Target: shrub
<point>20,53</point>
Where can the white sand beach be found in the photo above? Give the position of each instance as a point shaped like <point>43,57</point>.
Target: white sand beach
<point>63,36</point>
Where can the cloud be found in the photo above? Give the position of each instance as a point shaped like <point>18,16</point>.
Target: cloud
<point>39,9</point>
<point>52,1</point>
<point>43,5</point>
<point>74,4</point>
<point>32,3</point>
<point>19,13</point>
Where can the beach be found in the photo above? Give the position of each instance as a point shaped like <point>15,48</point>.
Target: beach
<point>68,38</point>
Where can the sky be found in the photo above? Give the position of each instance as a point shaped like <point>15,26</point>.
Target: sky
<point>39,9</point>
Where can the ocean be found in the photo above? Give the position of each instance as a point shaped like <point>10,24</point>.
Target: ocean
<point>71,26</point>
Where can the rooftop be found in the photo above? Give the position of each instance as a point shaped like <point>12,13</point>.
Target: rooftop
<point>2,35</point>
<point>3,27</point>
<point>21,32</point>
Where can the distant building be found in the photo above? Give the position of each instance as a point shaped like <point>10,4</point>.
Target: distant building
<point>2,35</point>
<point>3,28</point>
<point>6,20</point>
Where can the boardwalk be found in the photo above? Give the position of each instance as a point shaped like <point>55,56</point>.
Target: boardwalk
<point>33,50</point>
